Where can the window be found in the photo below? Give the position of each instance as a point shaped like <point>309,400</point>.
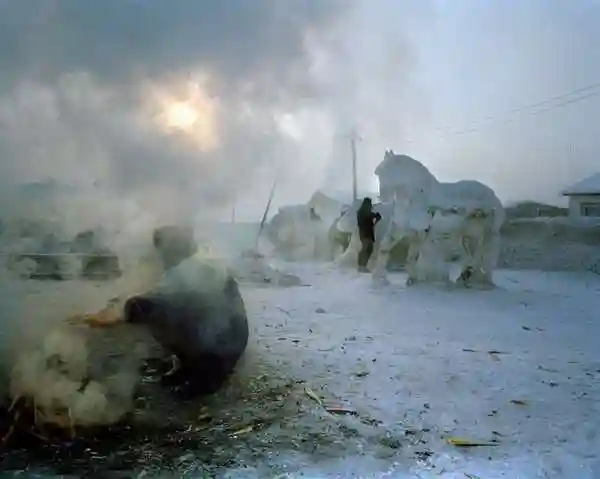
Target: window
<point>590,209</point>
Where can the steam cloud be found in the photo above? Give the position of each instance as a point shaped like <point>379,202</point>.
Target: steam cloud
<point>84,89</point>
<point>78,80</point>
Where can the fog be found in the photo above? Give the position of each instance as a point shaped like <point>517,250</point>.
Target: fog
<point>181,109</point>
<point>484,62</point>
<point>174,108</point>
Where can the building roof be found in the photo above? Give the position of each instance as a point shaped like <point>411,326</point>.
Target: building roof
<point>588,186</point>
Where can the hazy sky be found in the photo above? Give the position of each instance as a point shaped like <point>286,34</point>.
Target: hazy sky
<point>105,93</point>
<point>484,59</point>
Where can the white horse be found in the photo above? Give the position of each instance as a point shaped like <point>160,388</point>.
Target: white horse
<point>463,240</point>
<point>443,222</point>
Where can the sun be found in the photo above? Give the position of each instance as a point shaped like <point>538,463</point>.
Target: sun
<point>187,110</point>
<point>181,116</point>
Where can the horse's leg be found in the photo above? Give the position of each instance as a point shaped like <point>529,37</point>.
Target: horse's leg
<point>491,251</point>
<point>469,235</point>
<point>480,252</point>
<point>374,255</point>
<point>390,240</point>
<point>350,256</point>
<point>465,267</point>
<point>336,251</point>
<point>412,258</point>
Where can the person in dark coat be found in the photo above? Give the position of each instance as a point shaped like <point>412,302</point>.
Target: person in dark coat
<point>367,220</point>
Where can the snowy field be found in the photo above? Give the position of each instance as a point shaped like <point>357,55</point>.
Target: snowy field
<point>421,361</point>
<point>517,367</point>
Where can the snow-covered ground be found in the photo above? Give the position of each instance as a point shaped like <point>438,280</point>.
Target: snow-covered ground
<point>421,361</point>
<point>517,366</point>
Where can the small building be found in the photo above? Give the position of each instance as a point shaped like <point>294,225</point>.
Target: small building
<point>584,197</point>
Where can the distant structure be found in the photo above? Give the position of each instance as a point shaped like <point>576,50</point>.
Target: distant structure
<point>533,209</point>
<point>584,197</point>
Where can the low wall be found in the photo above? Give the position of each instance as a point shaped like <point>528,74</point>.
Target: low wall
<point>551,244</point>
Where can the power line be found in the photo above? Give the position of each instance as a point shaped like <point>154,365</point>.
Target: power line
<point>532,107</point>
<point>592,86</point>
<point>573,100</point>
<point>536,112</point>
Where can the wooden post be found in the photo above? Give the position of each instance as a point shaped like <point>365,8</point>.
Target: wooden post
<point>354,137</point>
<point>266,213</point>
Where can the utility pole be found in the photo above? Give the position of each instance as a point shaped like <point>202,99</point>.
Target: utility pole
<point>354,180</point>
<point>354,137</point>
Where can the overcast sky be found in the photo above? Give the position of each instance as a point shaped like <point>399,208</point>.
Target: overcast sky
<point>84,86</point>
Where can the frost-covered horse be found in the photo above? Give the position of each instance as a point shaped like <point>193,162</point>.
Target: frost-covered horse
<point>463,238</point>
<point>453,229</point>
<point>298,233</point>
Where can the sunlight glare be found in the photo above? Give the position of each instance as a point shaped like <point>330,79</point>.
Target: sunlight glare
<point>181,116</point>
<point>188,110</point>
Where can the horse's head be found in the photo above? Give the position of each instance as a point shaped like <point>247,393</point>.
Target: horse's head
<point>403,176</point>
